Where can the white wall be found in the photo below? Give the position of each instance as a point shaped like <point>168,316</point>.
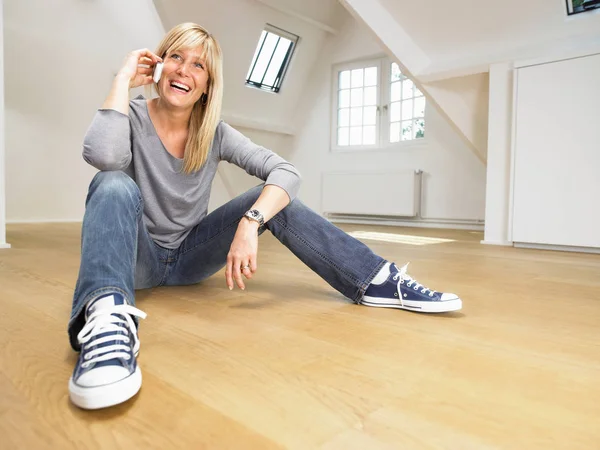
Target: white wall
<point>555,165</point>
<point>455,177</point>
<point>3,243</point>
<point>60,64</point>
<point>466,101</point>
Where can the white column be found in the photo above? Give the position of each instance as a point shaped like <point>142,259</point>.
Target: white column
<point>499,153</point>
<point>3,243</point>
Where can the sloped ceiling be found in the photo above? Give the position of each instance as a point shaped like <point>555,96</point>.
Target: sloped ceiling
<point>478,32</point>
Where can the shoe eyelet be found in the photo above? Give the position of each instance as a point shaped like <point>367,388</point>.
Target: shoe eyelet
<point>395,294</point>
<point>416,288</point>
<point>128,357</point>
<point>86,357</point>
<point>127,340</point>
<point>84,365</point>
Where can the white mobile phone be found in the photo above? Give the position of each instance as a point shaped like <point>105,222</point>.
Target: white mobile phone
<point>158,68</point>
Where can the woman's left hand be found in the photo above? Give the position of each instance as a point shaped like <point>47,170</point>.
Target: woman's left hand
<point>242,256</point>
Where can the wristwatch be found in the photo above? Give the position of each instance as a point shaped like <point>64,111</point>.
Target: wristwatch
<point>254,214</point>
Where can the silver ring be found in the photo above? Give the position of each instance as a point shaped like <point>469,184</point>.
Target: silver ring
<point>246,267</point>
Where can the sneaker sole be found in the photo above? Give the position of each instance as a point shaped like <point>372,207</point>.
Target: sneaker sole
<point>425,307</point>
<point>108,395</point>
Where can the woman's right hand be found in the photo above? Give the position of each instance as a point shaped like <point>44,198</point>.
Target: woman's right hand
<point>134,67</point>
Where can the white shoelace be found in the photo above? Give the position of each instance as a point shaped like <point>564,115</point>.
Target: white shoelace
<point>403,277</point>
<point>103,321</point>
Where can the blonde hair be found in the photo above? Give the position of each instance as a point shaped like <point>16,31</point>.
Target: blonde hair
<point>204,118</point>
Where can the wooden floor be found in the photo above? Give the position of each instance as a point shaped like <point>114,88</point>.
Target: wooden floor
<point>290,363</point>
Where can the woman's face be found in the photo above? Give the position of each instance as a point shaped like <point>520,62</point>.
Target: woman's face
<point>184,78</point>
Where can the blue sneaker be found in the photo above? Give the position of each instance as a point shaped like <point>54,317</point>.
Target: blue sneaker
<point>402,291</point>
<point>106,373</point>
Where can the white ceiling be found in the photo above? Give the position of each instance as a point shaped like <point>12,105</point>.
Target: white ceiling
<point>483,30</point>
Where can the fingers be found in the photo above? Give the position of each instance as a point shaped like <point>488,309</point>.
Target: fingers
<point>229,272</point>
<point>145,53</point>
<point>237,275</point>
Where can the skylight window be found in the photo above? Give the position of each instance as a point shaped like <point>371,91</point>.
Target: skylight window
<point>271,59</point>
<point>580,6</point>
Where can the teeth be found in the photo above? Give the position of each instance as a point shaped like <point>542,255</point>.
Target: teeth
<point>182,86</point>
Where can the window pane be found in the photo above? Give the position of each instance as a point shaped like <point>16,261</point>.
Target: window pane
<point>407,109</point>
<point>277,61</point>
<point>355,135</point>
<point>395,91</point>
<point>371,76</point>
<point>345,79</point>
<point>369,135</point>
<point>370,115</point>
<point>344,98</point>
<point>264,57</point>
<point>256,52</point>
<point>343,136</point>
<point>395,132</point>
<point>407,127</point>
<point>419,128</point>
<point>395,112</point>
<point>417,92</point>
<point>419,106</point>
<point>344,117</point>
<point>407,89</point>
<point>371,95</point>
<point>357,78</point>
<point>395,72</point>
<point>356,98</point>
<point>356,116</point>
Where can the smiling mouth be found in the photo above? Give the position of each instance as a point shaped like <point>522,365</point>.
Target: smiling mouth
<point>180,87</point>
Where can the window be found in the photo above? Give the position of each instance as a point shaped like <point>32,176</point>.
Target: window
<point>579,6</point>
<point>407,111</point>
<point>271,59</point>
<point>375,106</point>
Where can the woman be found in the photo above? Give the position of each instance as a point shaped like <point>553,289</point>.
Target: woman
<point>146,221</point>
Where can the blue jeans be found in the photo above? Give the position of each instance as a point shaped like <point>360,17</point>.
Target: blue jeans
<point>118,254</point>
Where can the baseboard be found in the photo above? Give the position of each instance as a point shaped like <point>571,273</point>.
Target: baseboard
<point>500,243</point>
<point>472,225</point>
<point>5,245</point>
<point>28,221</point>
<point>560,248</point>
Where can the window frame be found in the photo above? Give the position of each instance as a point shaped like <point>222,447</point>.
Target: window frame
<point>295,39</point>
<point>382,132</point>
<point>571,9</point>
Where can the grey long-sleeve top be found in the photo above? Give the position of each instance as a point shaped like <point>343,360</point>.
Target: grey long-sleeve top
<point>175,202</point>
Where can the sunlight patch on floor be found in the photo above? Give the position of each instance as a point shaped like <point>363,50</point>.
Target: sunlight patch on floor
<point>398,238</point>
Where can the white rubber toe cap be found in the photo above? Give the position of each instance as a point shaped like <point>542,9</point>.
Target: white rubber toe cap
<point>101,376</point>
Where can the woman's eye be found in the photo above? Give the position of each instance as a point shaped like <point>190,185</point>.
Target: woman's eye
<point>175,56</point>
<point>199,65</point>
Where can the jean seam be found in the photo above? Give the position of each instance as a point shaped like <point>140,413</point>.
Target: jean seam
<point>297,236</point>
<point>94,295</point>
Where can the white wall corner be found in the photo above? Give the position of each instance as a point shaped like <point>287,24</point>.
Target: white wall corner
<point>3,243</point>
<point>500,131</point>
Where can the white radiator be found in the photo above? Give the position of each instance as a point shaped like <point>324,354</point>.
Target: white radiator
<point>382,193</point>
